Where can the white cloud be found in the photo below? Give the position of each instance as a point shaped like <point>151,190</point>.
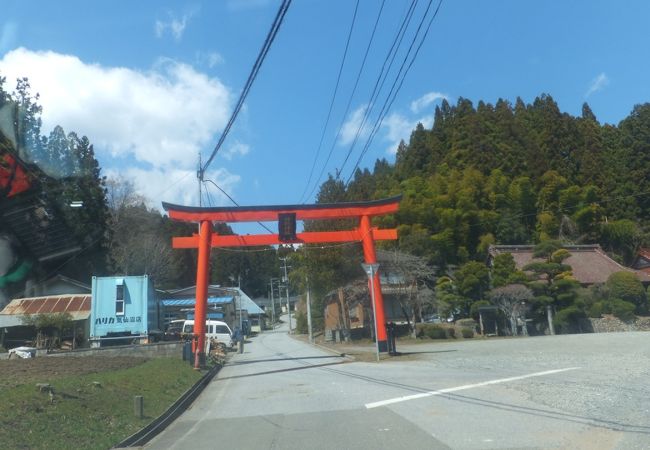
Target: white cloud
<point>597,84</point>
<point>427,99</point>
<point>179,186</point>
<point>209,59</point>
<point>162,117</point>
<point>176,26</point>
<point>351,127</point>
<point>399,127</point>
<point>236,149</point>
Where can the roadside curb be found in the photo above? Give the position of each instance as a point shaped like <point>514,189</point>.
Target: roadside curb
<point>327,349</point>
<point>161,422</point>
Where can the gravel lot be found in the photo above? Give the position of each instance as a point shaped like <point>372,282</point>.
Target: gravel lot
<point>603,403</point>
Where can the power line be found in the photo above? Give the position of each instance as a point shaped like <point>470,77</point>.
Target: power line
<point>329,112</point>
<point>275,27</point>
<point>347,108</point>
<point>381,78</point>
<point>208,196</point>
<point>388,104</point>
<point>235,202</point>
<point>383,75</point>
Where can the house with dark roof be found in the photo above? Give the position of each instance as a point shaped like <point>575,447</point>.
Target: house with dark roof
<point>589,263</point>
<point>56,285</point>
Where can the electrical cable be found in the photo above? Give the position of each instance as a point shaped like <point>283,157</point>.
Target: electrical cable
<point>381,78</point>
<point>174,183</point>
<point>381,84</point>
<point>347,108</point>
<point>275,27</point>
<point>235,203</point>
<point>329,112</point>
<point>388,103</point>
<point>208,196</point>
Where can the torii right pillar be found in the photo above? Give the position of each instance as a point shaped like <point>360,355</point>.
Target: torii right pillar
<point>371,258</point>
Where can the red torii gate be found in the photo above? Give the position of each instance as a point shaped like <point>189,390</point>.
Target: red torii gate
<point>207,238</point>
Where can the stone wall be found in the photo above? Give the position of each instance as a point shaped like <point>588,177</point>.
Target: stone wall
<point>610,324</point>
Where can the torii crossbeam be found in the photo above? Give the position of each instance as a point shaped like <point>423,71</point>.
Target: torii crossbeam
<point>207,238</point>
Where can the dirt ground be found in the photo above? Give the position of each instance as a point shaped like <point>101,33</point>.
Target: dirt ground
<point>15,372</point>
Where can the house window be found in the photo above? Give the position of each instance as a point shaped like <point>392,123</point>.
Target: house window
<point>119,300</point>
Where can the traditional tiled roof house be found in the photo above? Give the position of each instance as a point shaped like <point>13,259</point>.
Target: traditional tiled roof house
<point>589,263</point>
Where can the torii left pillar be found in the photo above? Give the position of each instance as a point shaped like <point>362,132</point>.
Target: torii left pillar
<point>202,278</point>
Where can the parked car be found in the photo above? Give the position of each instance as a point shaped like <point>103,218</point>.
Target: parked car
<point>214,329</point>
<point>432,318</point>
<point>174,331</point>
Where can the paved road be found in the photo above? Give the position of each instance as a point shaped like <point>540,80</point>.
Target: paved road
<point>582,392</point>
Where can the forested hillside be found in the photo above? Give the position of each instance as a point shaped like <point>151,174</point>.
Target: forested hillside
<point>508,174</point>
<point>513,174</point>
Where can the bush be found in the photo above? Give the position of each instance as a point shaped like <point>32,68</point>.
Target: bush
<point>451,333</point>
<point>626,286</point>
<point>467,323</point>
<point>431,331</point>
<point>622,309</point>
<point>598,309</point>
<point>467,333</point>
<point>566,321</point>
<point>436,332</point>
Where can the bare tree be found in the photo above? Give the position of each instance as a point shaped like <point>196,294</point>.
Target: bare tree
<point>121,194</point>
<point>509,300</point>
<point>139,244</point>
<point>414,280</point>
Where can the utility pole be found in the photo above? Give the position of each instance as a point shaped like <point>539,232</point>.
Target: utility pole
<point>311,336</point>
<point>286,285</point>
<point>273,281</point>
<point>272,310</point>
<point>273,302</point>
<point>241,322</point>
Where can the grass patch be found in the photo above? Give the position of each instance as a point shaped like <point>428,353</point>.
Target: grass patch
<point>83,414</point>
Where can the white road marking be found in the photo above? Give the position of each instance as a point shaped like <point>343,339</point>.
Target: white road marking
<point>464,387</point>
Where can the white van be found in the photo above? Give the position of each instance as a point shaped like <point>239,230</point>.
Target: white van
<point>214,329</point>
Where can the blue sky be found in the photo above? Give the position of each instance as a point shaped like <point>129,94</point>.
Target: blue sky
<point>152,83</point>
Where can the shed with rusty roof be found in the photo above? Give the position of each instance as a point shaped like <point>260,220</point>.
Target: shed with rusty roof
<point>13,331</point>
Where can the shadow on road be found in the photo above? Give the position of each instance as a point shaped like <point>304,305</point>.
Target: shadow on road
<point>253,361</point>
<point>417,353</point>
<point>291,369</point>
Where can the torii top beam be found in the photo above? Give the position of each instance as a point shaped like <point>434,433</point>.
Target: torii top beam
<point>321,211</point>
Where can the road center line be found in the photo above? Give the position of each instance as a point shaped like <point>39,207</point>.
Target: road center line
<point>464,387</point>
